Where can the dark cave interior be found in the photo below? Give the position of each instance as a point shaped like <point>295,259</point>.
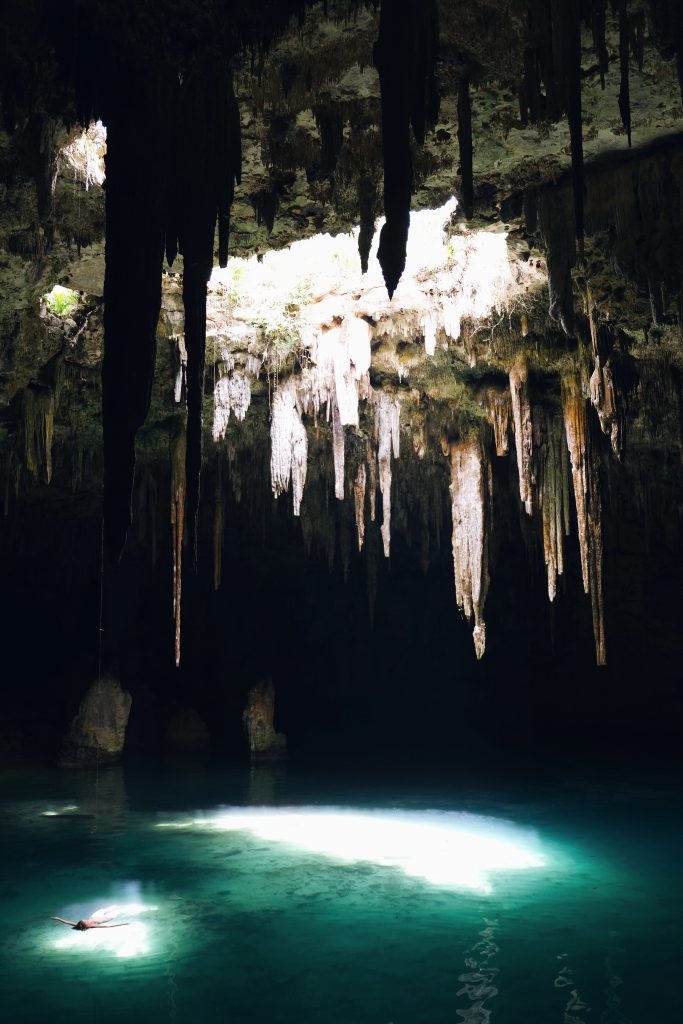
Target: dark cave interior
<point>294,119</point>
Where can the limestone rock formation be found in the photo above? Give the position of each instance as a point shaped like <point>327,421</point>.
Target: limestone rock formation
<point>264,743</point>
<point>471,510</point>
<point>98,731</point>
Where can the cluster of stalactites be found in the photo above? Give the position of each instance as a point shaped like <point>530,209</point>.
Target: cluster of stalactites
<point>232,394</point>
<point>543,467</point>
<point>338,378</point>
<point>36,424</point>
<point>586,480</point>
<point>289,452</point>
<point>552,473</point>
<point>178,493</point>
<point>471,494</point>
<point>289,445</point>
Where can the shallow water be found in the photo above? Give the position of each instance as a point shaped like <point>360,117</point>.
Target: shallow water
<point>253,895</point>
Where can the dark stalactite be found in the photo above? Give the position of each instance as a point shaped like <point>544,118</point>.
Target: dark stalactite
<point>557,228</point>
<point>666,29</point>
<point>624,92</point>
<point>404,55</point>
<point>367,201</point>
<point>134,252</point>
<point>598,28</point>
<point>567,40</point>
<point>391,55</point>
<point>207,167</point>
<point>465,144</point>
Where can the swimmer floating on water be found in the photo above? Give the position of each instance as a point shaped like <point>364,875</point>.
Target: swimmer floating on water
<point>100,919</point>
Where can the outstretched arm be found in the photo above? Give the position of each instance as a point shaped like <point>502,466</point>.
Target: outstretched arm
<point>121,924</point>
<point>71,923</point>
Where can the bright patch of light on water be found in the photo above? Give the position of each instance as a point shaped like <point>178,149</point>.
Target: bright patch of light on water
<point>123,933</point>
<point>63,810</point>
<point>450,848</point>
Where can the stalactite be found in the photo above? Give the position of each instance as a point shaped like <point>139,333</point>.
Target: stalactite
<point>351,367</point>
<point>218,528</point>
<point>359,503</point>
<point>523,429</point>
<point>430,322</point>
<point>598,27</point>
<point>232,393</point>
<point>371,459</point>
<point>586,480</point>
<point>367,202</point>
<point>387,429</point>
<point>178,497</point>
<point>465,146</point>
<point>180,386</point>
<point>133,252</point>
<point>624,92</point>
<point>289,446</point>
<point>338,451</point>
<point>404,56</point>
<point>552,487</point>
<point>471,490</point>
<point>499,414</point>
<point>207,166</point>
<point>608,404</point>
<point>36,426</point>
<point>566,22</point>
<point>557,227</point>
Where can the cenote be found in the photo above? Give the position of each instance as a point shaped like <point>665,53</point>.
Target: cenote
<point>341,478</point>
<point>265,895</point>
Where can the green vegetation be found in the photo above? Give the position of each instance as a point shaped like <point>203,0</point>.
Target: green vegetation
<point>61,301</point>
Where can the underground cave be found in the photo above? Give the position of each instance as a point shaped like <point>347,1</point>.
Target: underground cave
<point>341,464</point>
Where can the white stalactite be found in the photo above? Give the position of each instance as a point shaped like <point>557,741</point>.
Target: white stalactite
<point>338,452</point>
<point>232,393</point>
<point>387,427</point>
<point>471,488</point>
<point>430,323</point>
<point>521,417</point>
<point>341,365</point>
<point>359,501</point>
<point>289,445</point>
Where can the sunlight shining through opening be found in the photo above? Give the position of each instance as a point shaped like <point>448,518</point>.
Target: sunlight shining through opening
<point>448,848</point>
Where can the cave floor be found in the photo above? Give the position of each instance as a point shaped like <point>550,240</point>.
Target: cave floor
<point>265,895</point>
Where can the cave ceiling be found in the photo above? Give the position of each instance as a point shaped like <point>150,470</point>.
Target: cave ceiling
<point>550,131</point>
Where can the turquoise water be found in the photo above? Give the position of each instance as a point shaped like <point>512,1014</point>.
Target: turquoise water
<point>261,896</point>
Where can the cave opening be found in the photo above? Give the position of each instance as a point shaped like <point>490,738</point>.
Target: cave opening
<point>341,434</point>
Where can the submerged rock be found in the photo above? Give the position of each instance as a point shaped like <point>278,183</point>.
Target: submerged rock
<point>264,743</point>
<point>98,731</point>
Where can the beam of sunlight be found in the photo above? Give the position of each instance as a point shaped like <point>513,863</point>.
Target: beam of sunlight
<point>448,848</point>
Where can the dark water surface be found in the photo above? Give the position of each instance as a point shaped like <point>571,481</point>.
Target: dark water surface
<point>265,896</point>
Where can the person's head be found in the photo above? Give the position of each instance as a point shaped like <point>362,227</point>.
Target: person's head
<point>80,926</point>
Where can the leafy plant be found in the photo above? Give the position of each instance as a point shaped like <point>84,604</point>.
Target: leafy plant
<point>61,301</point>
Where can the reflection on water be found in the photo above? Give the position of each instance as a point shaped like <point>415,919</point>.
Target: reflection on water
<point>478,979</point>
<point>248,918</point>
